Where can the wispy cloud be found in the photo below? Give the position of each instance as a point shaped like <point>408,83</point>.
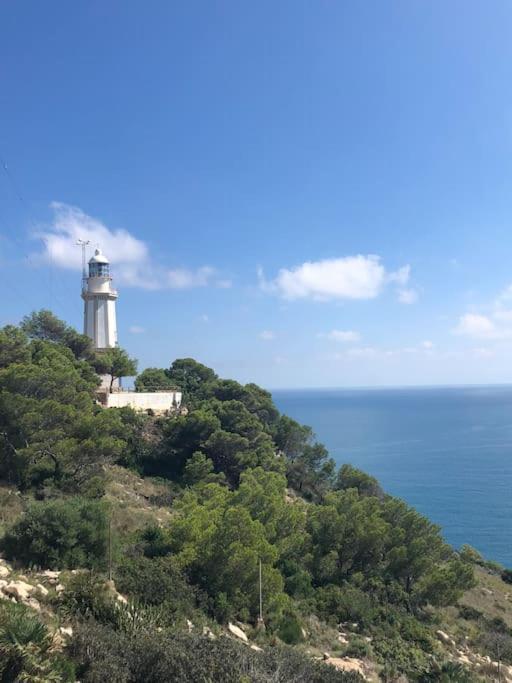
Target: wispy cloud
<point>131,259</point>
<point>477,326</point>
<point>349,277</point>
<point>343,336</point>
<point>407,296</point>
<point>136,329</point>
<point>267,335</point>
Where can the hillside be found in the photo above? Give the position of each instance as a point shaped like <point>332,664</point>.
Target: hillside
<point>132,545</point>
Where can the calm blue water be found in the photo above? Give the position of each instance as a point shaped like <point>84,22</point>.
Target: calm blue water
<point>447,452</point>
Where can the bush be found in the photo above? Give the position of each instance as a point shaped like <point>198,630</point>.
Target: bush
<point>62,534</point>
<point>154,582</point>
<point>470,613</point>
<point>26,648</point>
<point>290,629</point>
<point>102,654</point>
<point>506,575</point>
<point>347,603</point>
<point>358,648</point>
<point>88,596</point>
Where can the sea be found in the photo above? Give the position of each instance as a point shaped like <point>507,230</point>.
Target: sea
<point>446,451</point>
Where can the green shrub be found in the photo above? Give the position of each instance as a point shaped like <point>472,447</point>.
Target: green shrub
<point>506,575</point>
<point>60,534</point>
<point>88,596</point>
<point>470,613</point>
<point>26,648</point>
<point>290,629</point>
<point>154,582</point>
<point>358,648</point>
<point>102,654</point>
<point>346,602</point>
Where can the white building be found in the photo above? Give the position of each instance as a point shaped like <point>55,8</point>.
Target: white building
<point>100,304</point>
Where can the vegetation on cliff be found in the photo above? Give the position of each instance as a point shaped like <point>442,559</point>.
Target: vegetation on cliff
<point>240,484</point>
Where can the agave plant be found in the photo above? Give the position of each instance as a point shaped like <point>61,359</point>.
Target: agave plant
<point>26,647</point>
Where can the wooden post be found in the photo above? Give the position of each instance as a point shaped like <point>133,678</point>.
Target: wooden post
<point>110,547</point>
<point>261,622</point>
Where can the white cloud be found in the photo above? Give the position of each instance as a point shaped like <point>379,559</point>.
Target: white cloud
<point>204,318</point>
<point>350,277</point>
<point>401,276</point>
<point>342,336</point>
<point>130,257</point>
<point>136,329</point>
<point>427,345</point>
<point>478,326</point>
<point>407,296</point>
<point>267,335</point>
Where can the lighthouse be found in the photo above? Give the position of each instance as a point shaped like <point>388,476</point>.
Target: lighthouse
<point>99,303</point>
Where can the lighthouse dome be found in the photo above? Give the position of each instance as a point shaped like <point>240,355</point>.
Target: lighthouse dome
<point>98,257</point>
<point>99,265</point>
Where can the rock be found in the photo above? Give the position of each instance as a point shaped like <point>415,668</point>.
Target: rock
<point>304,632</point>
<point>66,631</point>
<point>59,588</point>
<point>190,626</point>
<point>33,603</point>
<point>121,598</point>
<point>237,631</point>
<point>256,648</point>
<point>41,589</point>
<point>346,664</point>
<point>4,571</point>
<point>342,640</point>
<point>326,656</point>
<point>487,591</point>
<point>3,583</point>
<point>20,590</point>
<point>51,576</point>
<point>208,632</point>
<point>445,638</point>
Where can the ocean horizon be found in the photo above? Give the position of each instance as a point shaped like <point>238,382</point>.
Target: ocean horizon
<point>446,450</point>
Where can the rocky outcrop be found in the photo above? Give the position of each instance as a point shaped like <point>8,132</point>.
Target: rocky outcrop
<point>237,632</point>
<point>346,664</point>
<point>20,590</point>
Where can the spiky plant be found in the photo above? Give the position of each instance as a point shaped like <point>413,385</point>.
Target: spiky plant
<point>26,648</point>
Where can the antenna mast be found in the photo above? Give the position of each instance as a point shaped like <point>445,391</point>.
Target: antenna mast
<point>83,244</point>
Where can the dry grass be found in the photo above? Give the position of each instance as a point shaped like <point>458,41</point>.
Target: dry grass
<point>131,498</point>
<point>492,596</point>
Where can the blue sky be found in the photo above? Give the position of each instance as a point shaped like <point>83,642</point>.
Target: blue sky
<point>296,193</point>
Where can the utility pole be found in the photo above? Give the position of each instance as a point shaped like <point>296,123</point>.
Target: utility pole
<point>261,622</point>
<point>83,244</point>
<point>110,547</point>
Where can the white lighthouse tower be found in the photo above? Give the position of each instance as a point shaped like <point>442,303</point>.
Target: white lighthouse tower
<point>100,303</point>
